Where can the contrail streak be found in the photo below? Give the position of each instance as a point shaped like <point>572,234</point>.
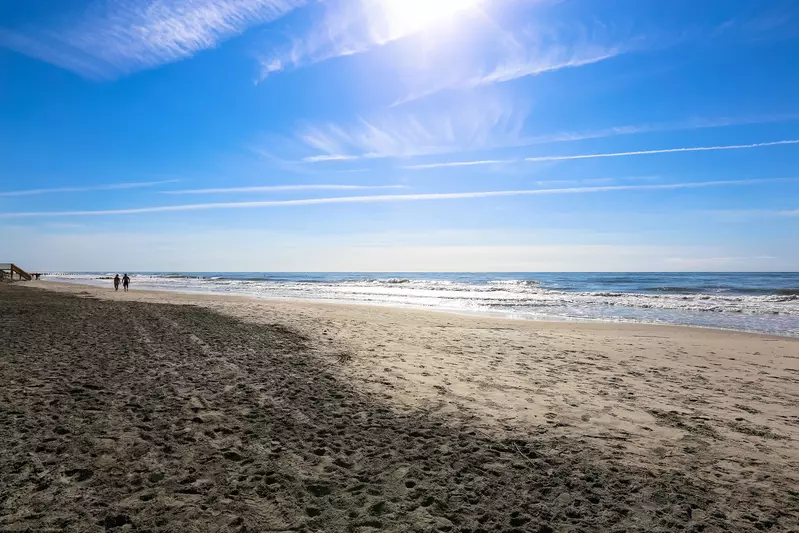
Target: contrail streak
<point>393,198</point>
<point>666,151</point>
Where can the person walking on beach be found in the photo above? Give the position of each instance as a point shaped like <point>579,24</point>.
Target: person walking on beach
<point>125,282</point>
<point>116,282</point>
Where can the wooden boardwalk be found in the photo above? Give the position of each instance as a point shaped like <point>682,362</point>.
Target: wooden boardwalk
<point>10,270</point>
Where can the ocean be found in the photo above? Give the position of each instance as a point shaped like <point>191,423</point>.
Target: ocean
<point>758,302</point>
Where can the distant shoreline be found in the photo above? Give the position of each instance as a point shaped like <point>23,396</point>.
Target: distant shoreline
<point>198,289</point>
<point>196,296</point>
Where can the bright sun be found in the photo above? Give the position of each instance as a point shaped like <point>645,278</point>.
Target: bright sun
<point>414,15</point>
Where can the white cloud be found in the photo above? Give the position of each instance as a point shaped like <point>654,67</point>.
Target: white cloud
<point>460,164</point>
<point>663,151</point>
<point>111,187</point>
<point>528,45</point>
<point>350,27</point>
<point>432,31</point>
<point>283,188</point>
<point>391,198</point>
<point>485,124</point>
<point>112,38</point>
<point>534,65</point>
<point>482,125</point>
<point>327,158</point>
<point>270,66</point>
<point>531,59</point>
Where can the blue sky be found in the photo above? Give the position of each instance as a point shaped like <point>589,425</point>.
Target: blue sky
<point>399,135</point>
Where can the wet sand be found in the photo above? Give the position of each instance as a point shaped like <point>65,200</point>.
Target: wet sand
<point>151,411</point>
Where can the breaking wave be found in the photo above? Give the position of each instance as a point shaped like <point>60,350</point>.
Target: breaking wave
<point>744,301</point>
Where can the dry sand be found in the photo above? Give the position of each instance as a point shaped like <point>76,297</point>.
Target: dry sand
<point>125,411</point>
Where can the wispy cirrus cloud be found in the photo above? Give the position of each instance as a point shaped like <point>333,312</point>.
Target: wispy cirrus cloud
<point>542,44</point>
<point>329,157</point>
<point>527,58</point>
<point>351,27</point>
<point>394,198</point>
<point>556,59</point>
<point>105,39</point>
<point>493,123</point>
<point>498,52</point>
<point>110,187</point>
<point>455,164</point>
<point>777,20</point>
<point>284,188</point>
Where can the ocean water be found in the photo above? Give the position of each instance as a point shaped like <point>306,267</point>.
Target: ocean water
<point>761,302</point>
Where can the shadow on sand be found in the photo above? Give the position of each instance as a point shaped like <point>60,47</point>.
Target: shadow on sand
<point>143,417</point>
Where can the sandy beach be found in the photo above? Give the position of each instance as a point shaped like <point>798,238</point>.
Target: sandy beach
<point>158,411</point>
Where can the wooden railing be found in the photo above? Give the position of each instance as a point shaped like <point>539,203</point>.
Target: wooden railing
<point>9,269</point>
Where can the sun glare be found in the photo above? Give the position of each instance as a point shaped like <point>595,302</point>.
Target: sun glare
<point>415,15</point>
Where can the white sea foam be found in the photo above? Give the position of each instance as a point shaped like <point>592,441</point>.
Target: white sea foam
<point>773,313</point>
